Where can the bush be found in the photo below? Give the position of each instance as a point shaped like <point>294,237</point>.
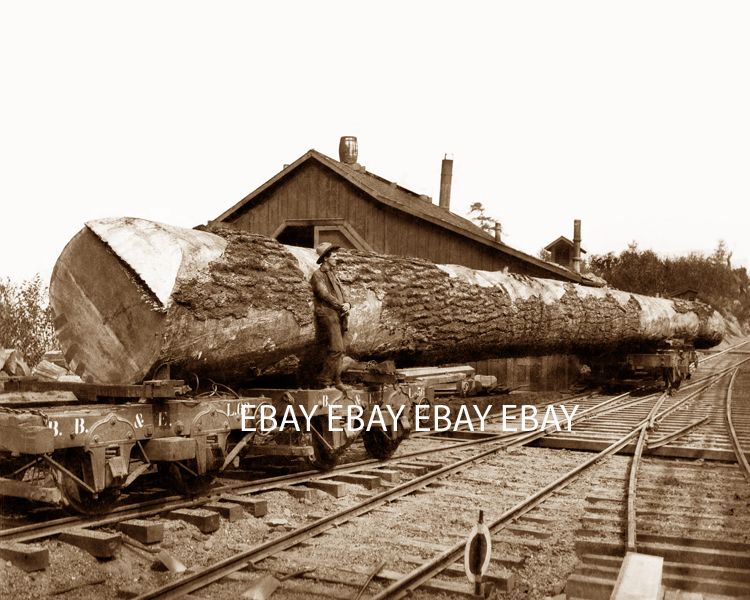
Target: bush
<point>26,319</point>
<point>644,272</point>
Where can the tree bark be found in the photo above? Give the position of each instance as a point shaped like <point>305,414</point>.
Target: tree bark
<point>130,295</point>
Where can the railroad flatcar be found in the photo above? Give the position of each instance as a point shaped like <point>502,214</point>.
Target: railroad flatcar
<point>83,444</point>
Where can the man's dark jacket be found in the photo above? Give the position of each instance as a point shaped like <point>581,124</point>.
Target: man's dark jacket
<point>329,302</point>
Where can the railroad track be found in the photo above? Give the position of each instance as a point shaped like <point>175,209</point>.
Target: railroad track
<point>695,430</point>
<point>656,411</point>
<point>692,513</point>
<point>431,445</point>
<point>527,517</point>
<point>421,575</point>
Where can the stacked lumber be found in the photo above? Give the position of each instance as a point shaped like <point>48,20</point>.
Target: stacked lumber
<point>459,380</point>
<point>130,296</point>
<point>49,371</point>
<point>50,368</point>
<point>12,363</point>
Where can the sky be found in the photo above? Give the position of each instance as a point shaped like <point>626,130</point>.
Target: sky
<point>631,116</point>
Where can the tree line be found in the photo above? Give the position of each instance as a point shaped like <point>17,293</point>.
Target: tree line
<point>644,272</point>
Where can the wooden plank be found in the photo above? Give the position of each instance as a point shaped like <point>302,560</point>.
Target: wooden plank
<point>146,532</point>
<point>206,521</point>
<point>568,442</point>
<point>639,577</point>
<point>92,391</point>
<point>257,507</point>
<point>97,543</point>
<point>691,542</point>
<point>500,576</point>
<point>370,482</point>
<point>670,552</point>
<point>29,557</point>
<point>230,511</point>
<point>23,489</point>
<point>465,370</point>
<point>591,588</point>
<point>334,488</point>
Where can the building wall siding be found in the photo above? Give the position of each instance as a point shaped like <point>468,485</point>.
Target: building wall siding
<point>313,191</point>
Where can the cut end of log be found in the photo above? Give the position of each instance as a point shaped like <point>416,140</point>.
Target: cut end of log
<point>107,320</point>
<point>156,253</point>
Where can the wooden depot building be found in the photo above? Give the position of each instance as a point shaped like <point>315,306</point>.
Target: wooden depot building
<point>317,199</point>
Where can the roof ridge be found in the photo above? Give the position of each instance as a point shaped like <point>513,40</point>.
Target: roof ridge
<point>390,195</point>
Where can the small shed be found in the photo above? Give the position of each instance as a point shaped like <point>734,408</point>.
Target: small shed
<point>686,293</point>
<point>563,251</point>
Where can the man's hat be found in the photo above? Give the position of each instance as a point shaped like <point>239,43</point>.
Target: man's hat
<point>324,250</point>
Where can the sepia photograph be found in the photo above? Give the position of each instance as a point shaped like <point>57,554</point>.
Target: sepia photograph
<point>368,301</point>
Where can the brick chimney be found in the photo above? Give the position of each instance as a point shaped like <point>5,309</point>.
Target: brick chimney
<point>446,176</point>
<point>577,246</point>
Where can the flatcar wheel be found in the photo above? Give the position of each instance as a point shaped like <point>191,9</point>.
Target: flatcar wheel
<point>79,499</point>
<point>426,415</point>
<point>379,445</point>
<point>323,459</point>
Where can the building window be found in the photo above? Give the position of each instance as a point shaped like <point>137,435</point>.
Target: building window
<point>298,235</point>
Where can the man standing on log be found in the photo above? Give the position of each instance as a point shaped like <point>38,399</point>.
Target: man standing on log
<point>331,314</point>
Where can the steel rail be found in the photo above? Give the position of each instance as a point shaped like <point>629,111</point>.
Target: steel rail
<point>238,561</point>
<point>718,376</point>
<point>647,426</point>
<point>33,531</point>
<point>666,439</point>
<point>430,569</point>
<point>234,563</point>
<point>655,410</point>
<point>595,411</point>
<point>632,483</point>
<point>494,418</point>
<point>148,508</point>
<point>725,351</point>
<point>635,462</point>
<point>741,458</point>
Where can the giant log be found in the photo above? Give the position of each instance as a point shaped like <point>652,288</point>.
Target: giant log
<point>130,295</point>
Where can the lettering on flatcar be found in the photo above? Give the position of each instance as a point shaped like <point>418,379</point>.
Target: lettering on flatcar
<point>79,425</point>
<point>235,409</point>
<point>163,419</point>
<point>55,427</point>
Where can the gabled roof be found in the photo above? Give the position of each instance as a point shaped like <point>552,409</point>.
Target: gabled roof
<point>562,239</point>
<point>404,200</point>
<point>683,292</point>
